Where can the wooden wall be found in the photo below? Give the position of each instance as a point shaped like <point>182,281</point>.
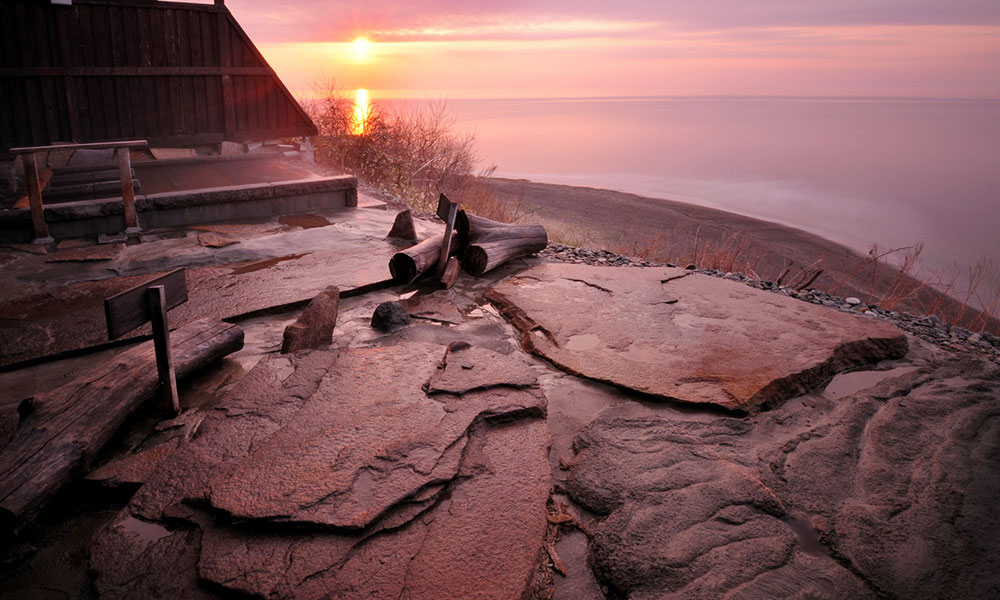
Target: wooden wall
<point>173,73</point>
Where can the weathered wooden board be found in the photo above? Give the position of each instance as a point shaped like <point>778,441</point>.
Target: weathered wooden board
<point>61,431</point>
<point>130,309</point>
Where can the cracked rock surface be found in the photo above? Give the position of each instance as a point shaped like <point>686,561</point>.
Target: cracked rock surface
<point>333,473</point>
<point>684,336</point>
<point>889,492</point>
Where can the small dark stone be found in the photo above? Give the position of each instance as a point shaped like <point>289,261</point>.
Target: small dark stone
<point>390,316</point>
<point>691,267</point>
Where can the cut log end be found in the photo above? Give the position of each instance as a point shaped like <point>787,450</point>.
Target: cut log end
<point>476,260</point>
<point>402,268</point>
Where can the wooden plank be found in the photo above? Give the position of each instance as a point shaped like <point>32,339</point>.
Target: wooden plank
<point>57,441</point>
<point>170,37</point>
<point>142,25</point>
<point>156,297</point>
<point>130,309</point>
<point>34,116</point>
<point>40,37</point>
<point>213,104</point>
<point>116,36</point>
<point>68,40</point>
<point>8,43</point>
<point>158,45</point>
<point>6,114</point>
<point>197,58</point>
<point>23,38</point>
<point>50,113</point>
<point>100,37</point>
<point>183,38</point>
<point>209,43</point>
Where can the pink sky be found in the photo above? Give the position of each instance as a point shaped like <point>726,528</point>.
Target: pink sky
<point>521,48</point>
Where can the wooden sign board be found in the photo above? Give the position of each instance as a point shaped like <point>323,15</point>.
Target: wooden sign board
<point>444,207</point>
<point>130,309</point>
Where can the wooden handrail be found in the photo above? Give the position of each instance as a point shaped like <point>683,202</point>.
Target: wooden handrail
<point>35,191</point>
<point>86,146</point>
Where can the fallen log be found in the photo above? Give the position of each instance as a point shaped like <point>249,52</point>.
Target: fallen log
<point>62,430</point>
<point>406,265</point>
<point>488,244</point>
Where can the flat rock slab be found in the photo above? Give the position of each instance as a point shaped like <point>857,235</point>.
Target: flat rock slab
<point>133,470</point>
<point>889,493</point>
<point>368,438</point>
<point>380,490</point>
<point>685,336</point>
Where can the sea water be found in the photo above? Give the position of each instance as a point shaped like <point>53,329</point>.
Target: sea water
<point>859,171</point>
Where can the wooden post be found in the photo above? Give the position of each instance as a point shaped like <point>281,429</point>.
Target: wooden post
<point>35,199</point>
<point>157,299</point>
<point>447,210</point>
<point>128,192</point>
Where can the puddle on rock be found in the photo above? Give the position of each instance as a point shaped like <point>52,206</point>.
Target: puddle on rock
<point>586,341</point>
<point>150,533</point>
<point>305,221</point>
<point>807,535</point>
<point>579,582</point>
<point>846,384</point>
<point>263,264</point>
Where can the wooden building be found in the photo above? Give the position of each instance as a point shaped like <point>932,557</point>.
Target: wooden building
<point>176,74</point>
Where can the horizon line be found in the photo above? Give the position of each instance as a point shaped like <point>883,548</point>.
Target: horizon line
<point>824,97</point>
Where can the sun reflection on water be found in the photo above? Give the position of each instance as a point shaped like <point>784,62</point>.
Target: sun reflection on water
<point>361,112</point>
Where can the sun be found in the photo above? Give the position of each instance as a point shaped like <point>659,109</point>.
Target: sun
<point>361,48</point>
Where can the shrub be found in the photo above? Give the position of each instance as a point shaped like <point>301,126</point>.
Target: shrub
<point>412,152</point>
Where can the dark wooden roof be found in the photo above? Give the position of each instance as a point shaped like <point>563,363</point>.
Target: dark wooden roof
<point>173,73</point>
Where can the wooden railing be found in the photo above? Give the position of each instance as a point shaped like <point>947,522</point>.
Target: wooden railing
<point>41,229</point>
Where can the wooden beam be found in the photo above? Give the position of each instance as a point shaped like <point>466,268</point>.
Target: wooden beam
<point>128,191</point>
<point>41,229</point>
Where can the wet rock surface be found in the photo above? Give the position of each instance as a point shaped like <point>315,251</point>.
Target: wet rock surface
<point>683,336</point>
<point>380,489</point>
<point>421,463</point>
<point>885,493</point>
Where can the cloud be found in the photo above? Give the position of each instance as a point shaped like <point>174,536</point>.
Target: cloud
<point>341,20</point>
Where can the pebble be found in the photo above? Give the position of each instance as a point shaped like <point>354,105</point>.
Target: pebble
<point>926,327</point>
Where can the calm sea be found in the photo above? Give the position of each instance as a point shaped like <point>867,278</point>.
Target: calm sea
<point>858,171</point>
